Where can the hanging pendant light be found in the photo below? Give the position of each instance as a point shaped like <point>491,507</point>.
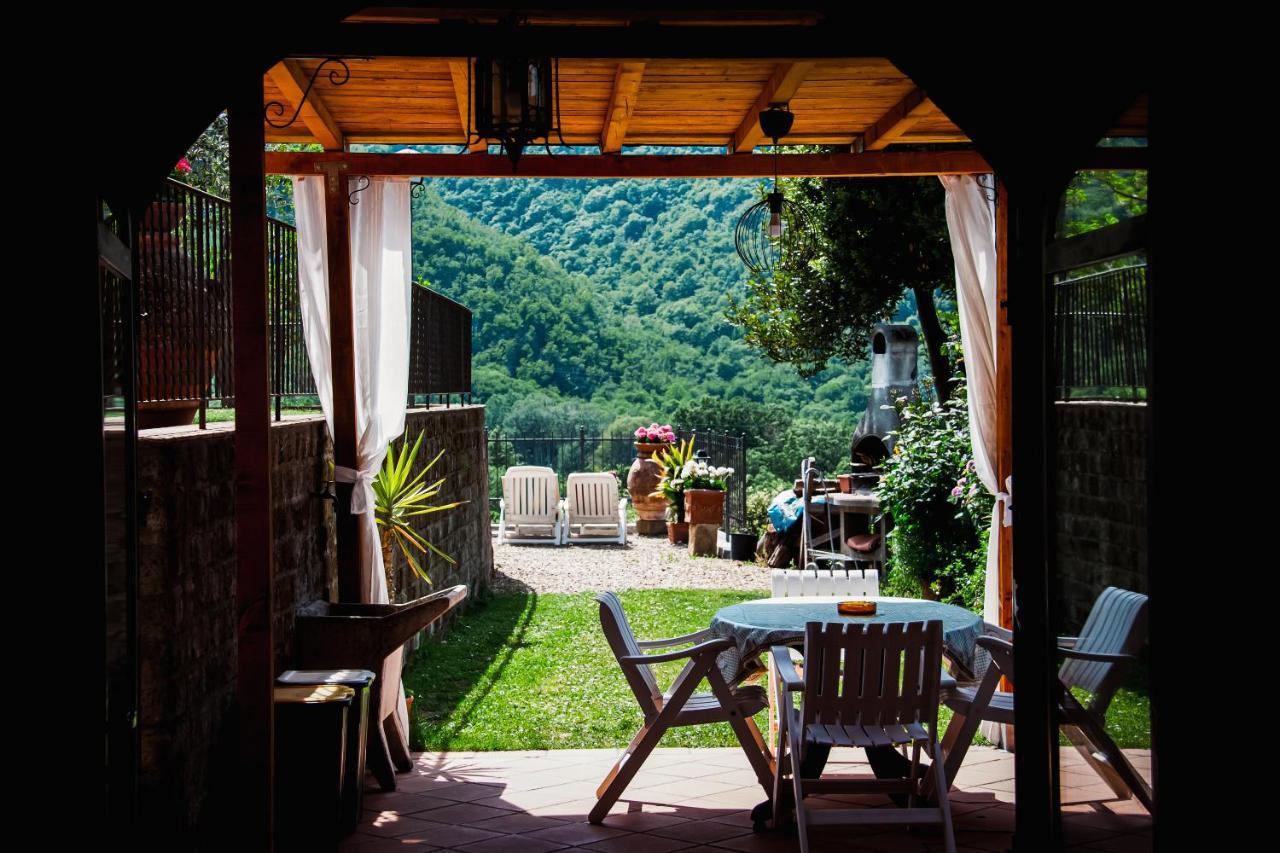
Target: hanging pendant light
<point>773,226</point>
<point>516,102</point>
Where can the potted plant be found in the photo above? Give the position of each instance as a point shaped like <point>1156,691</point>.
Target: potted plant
<point>400,496</point>
<point>704,488</point>
<point>672,460</point>
<point>643,478</point>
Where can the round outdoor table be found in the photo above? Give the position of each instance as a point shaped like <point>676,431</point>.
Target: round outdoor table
<point>754,626</point>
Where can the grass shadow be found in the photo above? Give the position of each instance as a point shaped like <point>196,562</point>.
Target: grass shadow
<point>451,677</point>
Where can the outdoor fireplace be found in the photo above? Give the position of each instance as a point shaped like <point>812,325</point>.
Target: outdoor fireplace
<point>894,353</point>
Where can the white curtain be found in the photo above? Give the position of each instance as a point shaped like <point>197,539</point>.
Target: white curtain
<point>381,266</point>
<point>971,224</point>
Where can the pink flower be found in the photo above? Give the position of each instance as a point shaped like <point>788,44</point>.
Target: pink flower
<point>640,432</point>
<point>183,165</point>
<point>654,435</point>
<point>957,492</point>
<point>654,426</point>
<point>666,428</point>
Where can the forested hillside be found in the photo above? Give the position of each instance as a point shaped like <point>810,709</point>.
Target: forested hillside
<point>598,301</point>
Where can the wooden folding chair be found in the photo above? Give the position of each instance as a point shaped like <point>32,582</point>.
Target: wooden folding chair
<point>1095,661</point>
<point>679,706</point>
<point>868,685</point>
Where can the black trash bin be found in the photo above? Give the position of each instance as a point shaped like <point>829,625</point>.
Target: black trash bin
<point>311,746</point>
<point>742,546</point>
<point>359,680</point>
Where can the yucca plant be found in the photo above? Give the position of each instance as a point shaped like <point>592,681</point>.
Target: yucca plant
<point>399,497</point>
<point>671,460</point>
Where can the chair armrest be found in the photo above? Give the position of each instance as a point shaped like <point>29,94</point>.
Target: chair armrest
<point>709,647</point>
<point>781,657</point>
<point>695,637</point>
<point>990,630</point>
<point>1067,642</point>
<point>994,644</point>
<point>1099,657</point>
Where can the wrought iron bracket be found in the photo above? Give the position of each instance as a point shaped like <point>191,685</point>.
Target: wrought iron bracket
<point>337,77</point>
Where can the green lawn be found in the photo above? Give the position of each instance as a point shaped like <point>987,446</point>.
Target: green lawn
<point>532,671</point>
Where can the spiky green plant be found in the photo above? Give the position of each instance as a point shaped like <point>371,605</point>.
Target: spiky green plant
<point>671,461</point>
<point>400,496</point>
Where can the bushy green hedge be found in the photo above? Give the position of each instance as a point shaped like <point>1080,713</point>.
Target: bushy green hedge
<point>940,510</point>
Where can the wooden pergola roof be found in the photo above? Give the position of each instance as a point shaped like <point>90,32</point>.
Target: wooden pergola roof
<point>865,103</point>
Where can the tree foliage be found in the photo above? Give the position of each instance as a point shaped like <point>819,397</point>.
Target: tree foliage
<point>872,241</point>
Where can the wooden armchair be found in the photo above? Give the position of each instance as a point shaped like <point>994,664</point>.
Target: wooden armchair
<point>864,686</point>
<point>1096,661</point>
<point>679,706</point>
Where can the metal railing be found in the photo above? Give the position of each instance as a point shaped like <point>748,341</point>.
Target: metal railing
<point>1100,335</point>
<point>184,315</point>
<point>583,452</point>
<point>439,347</point>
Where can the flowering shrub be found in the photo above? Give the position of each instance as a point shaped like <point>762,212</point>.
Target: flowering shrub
<point>940,510</point>
<point>700,475</point>
<point>655,434</point>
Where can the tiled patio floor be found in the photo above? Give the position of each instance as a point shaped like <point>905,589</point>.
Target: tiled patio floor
<point>697,801</point>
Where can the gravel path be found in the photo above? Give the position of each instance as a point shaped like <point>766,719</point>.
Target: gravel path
<point>643,563</point>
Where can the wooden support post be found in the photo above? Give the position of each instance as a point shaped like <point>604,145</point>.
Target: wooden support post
<point>1004,400</point>
<point>255,669</point>
<point>353,578</point>
<point>1035,657</point>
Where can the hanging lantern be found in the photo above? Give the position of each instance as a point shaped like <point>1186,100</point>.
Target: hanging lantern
<point>774,226</point>
<point>515,102</point>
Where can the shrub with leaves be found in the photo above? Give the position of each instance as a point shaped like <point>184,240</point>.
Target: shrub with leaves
<point>940,510</point>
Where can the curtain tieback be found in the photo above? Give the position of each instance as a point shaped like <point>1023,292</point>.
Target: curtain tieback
<point>362,493</point>
<point>1007,498</point>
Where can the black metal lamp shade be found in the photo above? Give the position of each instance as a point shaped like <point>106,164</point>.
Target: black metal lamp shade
<point>772,226</point>
<point>514,101</point>
<point>768,229</point>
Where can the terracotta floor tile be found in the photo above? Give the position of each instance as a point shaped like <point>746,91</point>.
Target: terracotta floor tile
<point>391,825</point>
<point>640,821</point>
<point>518,823</point>
<point>638,843</point>
<point>512,844</point>
<point>577,834</point>
<point>470,812</point>
<point>448,834</point>
<point>699,831</point>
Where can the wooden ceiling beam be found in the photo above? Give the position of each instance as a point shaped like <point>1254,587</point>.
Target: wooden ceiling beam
<point>899,119</point>
<point>780,89</point>
<point>622,103</point>
<point>459,70</point>
<point>870,164</point>
<point>292,82</point>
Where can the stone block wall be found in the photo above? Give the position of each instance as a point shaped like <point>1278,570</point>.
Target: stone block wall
<point>1101,502</point>
<point>187,577</point>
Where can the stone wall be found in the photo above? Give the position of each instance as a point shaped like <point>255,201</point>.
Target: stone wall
<point>462,533</point>
<point>187,576</point>
<point>1101,502</point>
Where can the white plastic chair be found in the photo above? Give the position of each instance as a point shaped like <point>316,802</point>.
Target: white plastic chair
<point>591,500</point>
<point>530,499</point>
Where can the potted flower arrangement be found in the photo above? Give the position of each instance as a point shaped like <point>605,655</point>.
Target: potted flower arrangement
<point>704,488</point>
<point>644,476</point>
<point>672,460</point>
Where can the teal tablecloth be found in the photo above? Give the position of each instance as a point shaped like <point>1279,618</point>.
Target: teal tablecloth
<point>754,626</point>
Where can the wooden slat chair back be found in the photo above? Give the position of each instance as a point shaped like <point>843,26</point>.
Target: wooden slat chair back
<point>865,686</point>
<point>679,706</point>
<point>530,498</point>
<point>872,677</point>
<point>1096,661</point>
<point>1117,625</point>
<point>591,500</point>
<point>850,581</point>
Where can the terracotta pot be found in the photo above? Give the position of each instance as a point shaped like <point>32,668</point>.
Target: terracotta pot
<point>172,378</point>
<point>703,506</point>
<point>642,482</point>
<point>846,482</point>
<point>677,532</point>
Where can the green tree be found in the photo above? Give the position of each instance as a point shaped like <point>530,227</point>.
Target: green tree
<point>872,241</point>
